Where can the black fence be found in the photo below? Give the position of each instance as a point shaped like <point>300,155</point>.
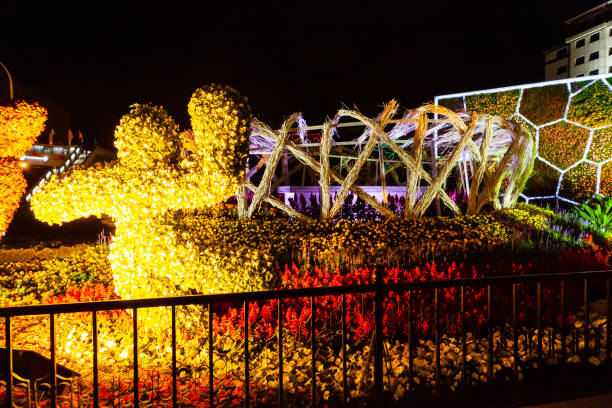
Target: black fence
<point>378,291</point>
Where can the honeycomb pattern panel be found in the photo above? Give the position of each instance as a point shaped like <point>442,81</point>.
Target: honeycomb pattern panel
<point>572,123</point>
<point>562,144</point>
<point>543,180</point>
<point>545,104</point>
<point>592,106</point>
<point>580,182</point>
<point>600,149</point>
<point>503,104</point>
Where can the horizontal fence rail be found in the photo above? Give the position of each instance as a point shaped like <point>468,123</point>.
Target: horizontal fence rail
<point>378,290</point>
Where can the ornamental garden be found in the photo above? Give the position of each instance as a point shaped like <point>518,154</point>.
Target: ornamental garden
<point>493,184</point>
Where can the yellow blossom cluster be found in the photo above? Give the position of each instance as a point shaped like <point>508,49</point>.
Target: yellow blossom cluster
<point>153,177</point>
<point>263,246</point>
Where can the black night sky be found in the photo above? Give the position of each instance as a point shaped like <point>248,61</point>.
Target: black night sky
<point>88,65</point>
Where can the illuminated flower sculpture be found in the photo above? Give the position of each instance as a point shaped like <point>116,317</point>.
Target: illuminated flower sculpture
<point>20,124</point>
<point>153,184</point>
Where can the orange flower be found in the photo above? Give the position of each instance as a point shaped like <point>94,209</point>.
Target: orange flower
<point>12,187</point>
<point>20,125</point>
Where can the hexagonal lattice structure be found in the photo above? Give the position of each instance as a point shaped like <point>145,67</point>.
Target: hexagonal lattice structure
<point>592,106</point>
<point>500,103</point>
<point>572,121</point>
<point>601,145</point>
<point>545,104</point>
<point>543,180</point>
<point>579,182</point>
<point>562,144</point>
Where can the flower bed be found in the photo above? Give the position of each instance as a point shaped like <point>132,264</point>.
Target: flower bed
<point>115,339</point>
<point>308,256</point>
<point>545,104</point>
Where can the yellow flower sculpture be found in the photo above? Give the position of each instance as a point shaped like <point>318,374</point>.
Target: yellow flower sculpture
<point>154,182</point>
<point>20,125</point>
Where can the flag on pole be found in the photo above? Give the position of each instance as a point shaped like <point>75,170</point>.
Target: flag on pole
<point>51,133</point>
<point>70,137</point>
<point>80,137</point>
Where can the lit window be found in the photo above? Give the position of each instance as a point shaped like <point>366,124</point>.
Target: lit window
<point>594,72</point>
<point>579,75</point>
<point>610,70</point>
<point>610,51</point>
<point>594,37</point>
<point>593,55</point>
<point>580,43</point>
<point>561,70</point>
<point>579,60</point>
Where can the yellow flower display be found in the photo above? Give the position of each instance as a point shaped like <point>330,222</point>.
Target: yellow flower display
<point>152,179</point>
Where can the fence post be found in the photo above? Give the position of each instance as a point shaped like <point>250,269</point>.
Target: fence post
<point>9,361</point>
<point>378,341</point>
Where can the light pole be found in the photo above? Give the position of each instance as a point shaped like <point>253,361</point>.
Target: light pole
<point>10,79</point>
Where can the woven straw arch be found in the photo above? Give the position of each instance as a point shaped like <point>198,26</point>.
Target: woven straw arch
<point>499,153</point>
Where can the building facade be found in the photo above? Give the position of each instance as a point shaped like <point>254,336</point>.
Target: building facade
<point>588,49</point>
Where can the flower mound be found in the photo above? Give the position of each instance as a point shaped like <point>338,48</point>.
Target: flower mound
<point>153,178</point>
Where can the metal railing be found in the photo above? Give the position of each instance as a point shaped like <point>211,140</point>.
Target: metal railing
<point>379,290</point>
<point>74,155</point>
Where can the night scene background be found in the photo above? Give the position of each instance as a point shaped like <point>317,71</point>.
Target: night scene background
<point>87,65</point>
<point>475,269</point>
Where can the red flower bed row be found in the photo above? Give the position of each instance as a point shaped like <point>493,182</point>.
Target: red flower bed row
<point>263,317</point>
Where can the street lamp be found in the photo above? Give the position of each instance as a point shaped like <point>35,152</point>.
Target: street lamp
<point>10,79</point>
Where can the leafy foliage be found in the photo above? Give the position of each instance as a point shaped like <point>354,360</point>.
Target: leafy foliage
<point>598,212</point>
<point>592,106</point>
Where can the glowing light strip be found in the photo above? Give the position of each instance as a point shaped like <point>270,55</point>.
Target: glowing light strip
<point>552,123</point>
<point>518,104</point>
<point>572,94</point>
<point>76,153</point>
<point>531,85</point>
<point>26,157</point>
<point>588,146</point>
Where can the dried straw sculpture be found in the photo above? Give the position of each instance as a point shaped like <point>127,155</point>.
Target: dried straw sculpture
<point>489,151</point>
